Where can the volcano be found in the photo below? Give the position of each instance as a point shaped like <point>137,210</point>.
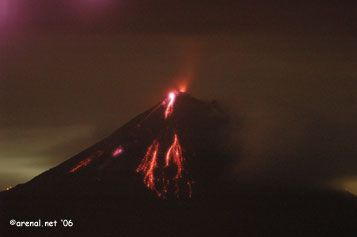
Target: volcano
<point>158,151</point>
<point>166,173</point>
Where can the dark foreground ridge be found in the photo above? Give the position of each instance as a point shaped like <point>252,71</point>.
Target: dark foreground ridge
<point>165,173</point>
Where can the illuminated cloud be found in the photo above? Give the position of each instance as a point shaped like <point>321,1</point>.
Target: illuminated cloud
<point>347,183</point>
<point>25,153</point>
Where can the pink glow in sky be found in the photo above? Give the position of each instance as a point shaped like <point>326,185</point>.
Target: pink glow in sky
<point>4,11</point>
<point>10,19</point>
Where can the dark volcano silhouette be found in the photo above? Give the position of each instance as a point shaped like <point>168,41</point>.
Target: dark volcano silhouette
<point>202,128</point>
<point>102,192</point>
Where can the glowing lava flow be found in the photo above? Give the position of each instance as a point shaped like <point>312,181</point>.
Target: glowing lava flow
<point>174,155</point>
<point>119,150</point>
<point>86,161</point>
<point>148,166</point>
<point>164,171</point>
<point>158,176</point>
<point>81,164</point>
<point>170,104</point>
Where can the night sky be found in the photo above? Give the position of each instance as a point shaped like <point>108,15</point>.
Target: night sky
<point>71,72</point>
